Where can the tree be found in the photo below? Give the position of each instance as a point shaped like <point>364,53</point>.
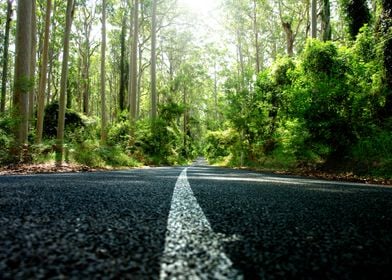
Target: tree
<point>314,19</point>
<point>132,88</point>
<point>357,14</point>
<point>256,36</point>
<point>103,76</point>
<point>86,50</point>
<point>33,60</point>
<point>63,84</point>
<point>22,82</point>
<point>154,60</point>
<point>43,74</point>
<point>123,66</point>
<point>326,31</point>
<point>5,56</point>
<point>291,18</point>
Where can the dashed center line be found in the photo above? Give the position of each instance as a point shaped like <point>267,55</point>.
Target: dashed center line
<point>192,249</point>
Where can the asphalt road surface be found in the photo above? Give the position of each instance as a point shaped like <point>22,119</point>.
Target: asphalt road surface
<point>195,222</point>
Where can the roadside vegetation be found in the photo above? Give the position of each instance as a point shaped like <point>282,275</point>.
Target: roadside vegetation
<point>324,109</point>
<point>289,86</point>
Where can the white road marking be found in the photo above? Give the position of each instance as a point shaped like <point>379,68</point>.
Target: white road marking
<point>192,249</point>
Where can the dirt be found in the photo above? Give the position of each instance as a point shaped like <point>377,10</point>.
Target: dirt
<point>24,169</point>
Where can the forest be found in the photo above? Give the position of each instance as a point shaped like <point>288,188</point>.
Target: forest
<point>273,84</point>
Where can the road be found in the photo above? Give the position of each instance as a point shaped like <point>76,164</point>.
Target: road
<point>197,222</point>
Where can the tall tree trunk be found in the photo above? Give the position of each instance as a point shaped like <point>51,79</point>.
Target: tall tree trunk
<point>216,92</point>
<point>22,82</point>
<point>86,84</point>
<point>103,77</point>
<point>326,21</point>
<point>154,110</point>
<point>33,60</point>
<point>43,75</point>
<point>314,19</point>
<point>134,62</point>
<point>256,34</point>
<point>139,80</point>
<point>123,74</point>
<point>289,38</point>
<point>5,56</point>
<point>51,54</point>
<point>287,27</point>
<point>86,53</point>
<point>241,60</point>
<point>63,84</point>
<point>308,20</point>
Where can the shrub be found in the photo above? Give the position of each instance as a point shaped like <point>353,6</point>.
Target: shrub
<point>373,154</point>
<point>324,98</point>
<point>73,120</point>
<point>160,141</point>
<point>219,144</point>
<point>119,134</point>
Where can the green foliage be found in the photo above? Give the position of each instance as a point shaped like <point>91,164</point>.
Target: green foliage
<point>161,140</point>
<point>73,120</point>
<point>91,153</point>
<point>87,153</point>
<point>321,109</point>
<point>373,154</point>
<point>218,144</point>
<point>366,44</point>
<point>323,89</point>
<point>24,84</point>
<point>321,58</point>
<point>5,144</point>
<point>119,133</point>
<point>6,137</point>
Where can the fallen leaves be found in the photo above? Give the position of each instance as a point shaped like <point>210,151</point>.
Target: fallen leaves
<point>23,169</point>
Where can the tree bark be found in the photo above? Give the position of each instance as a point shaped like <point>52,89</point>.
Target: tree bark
<point>103,77</point>
<point>5,56</point>
<point>22,82</point>
<point>33,60</point>
<point>123,74</point>
<point>133,64</point>
<point>314,19</point>
<point>326,21</point>
<point>43,75</point>
<point>154,61</point>
<point>63,84</point>
<point>241,60</point>
<point>86,53</point>
<point>51,54</point>
<point>256,34</point>
<point>289,38</point>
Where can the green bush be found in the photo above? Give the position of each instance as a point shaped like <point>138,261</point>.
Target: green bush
<point>73,121</point>
<point>219,144</point>
<point>373,154</point>
<point>5,144</point>
<point>324,99</point>
<point>119,133</point>
<point>116,157</point>
<point>6,138</point>
<point>160,141</point>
